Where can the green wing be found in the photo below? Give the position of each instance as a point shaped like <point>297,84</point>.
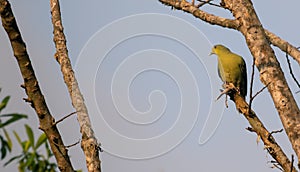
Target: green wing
<point>243,86</point>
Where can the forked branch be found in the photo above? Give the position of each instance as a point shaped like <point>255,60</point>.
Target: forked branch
<point>231,24</point>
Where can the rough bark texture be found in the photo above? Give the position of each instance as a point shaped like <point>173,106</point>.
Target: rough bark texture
<point>35,97</point>
<point>247,22</point>
<point>89,142</point>
<point>232,24</point>
<point>257,126</point>
<point>283,45</point>
<point>269,68</point>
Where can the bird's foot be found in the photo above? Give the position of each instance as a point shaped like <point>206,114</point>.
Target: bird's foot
<point>222,93</point>
<point>230,86</point>
<point>227,87</point>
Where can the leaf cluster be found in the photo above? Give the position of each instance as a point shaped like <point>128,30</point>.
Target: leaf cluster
<point>31,159</point>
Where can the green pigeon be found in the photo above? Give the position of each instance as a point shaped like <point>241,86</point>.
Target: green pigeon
<point>231,68</point>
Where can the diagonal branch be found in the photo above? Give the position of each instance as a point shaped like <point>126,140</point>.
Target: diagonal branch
<point>270,72</point>
<point>283,45</point>
<point>231,24</point>
<point>257,126</point>
<point>269,68</point>
<point>35,96</point>
<point>209,18</point>
<point>89,142</point>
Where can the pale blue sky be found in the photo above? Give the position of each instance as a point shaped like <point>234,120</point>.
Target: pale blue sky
<point>231,147</point>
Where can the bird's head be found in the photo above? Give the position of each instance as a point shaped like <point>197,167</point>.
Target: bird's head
<point>217,49</point>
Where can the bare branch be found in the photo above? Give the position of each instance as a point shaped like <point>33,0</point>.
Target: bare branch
<point>231,24</point>
<point>89,142</point>
<point>283,45</point>
<point>257,126</point>
<point>269,68</point>
<point>33,91</point>
<point>74,144</point>
<point>273,132</point>
<point>271,74</point>
<point>206,2</point>
<point>251,83</point>
<point>275,164</point>
<point>209,18</point>
<point>290,68</point>
<point>261,90</point>
<point>64,118</point>
<point>292,163</point>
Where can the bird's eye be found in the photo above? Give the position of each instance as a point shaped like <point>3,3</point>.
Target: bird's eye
<point>215,46</point>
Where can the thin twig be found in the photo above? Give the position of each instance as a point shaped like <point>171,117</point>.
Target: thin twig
<point>290,67</point>
<point>276,131</point>
<point>64,118</point>
<point>250,129</point>
<point>273,132</point>
<point>203,3</point>
<point>277,166</point>
<point>251,84</point>
<point>208,2</point>
<point>261,90</point>
<point>76,143</point>
<point>292,163</point>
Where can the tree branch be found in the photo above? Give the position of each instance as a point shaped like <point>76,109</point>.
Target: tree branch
<point>270,72</point>
<point>89,142</point>
<point>251,84</point>
<point>231,24</point>
<point>209,18</point>
<point>291,70</point>
<point>257,126</point>
<point>283,45</point>
<point>32,88</point>
<point>269,68</point>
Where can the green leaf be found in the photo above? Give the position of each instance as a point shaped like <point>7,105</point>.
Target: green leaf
<point>18,138</point>
<point>30,135</point>
<point>8,139</point>
<point>42,139</point>
<point>14,117</point>
<point>27,145</point>
<point>42,165</point>
<point>3,147</point>
<point>29,161</point>
<point>4,103</point>
<point>12,159</point>
<point>21,166</point>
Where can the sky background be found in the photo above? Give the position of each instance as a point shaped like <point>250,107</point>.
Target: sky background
<point>92,27</point>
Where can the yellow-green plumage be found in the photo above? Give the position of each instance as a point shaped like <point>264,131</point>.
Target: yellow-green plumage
<point>231,68</point>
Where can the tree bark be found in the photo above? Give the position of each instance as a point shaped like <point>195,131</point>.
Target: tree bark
<point>247,22</point>
<point>269,68</point>
<point>35,97</point>
<point>257,126</point>
<point>89,142</point>
<point>232,24</point>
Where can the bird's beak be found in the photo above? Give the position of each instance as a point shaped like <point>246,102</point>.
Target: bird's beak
<point>211,53</point>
